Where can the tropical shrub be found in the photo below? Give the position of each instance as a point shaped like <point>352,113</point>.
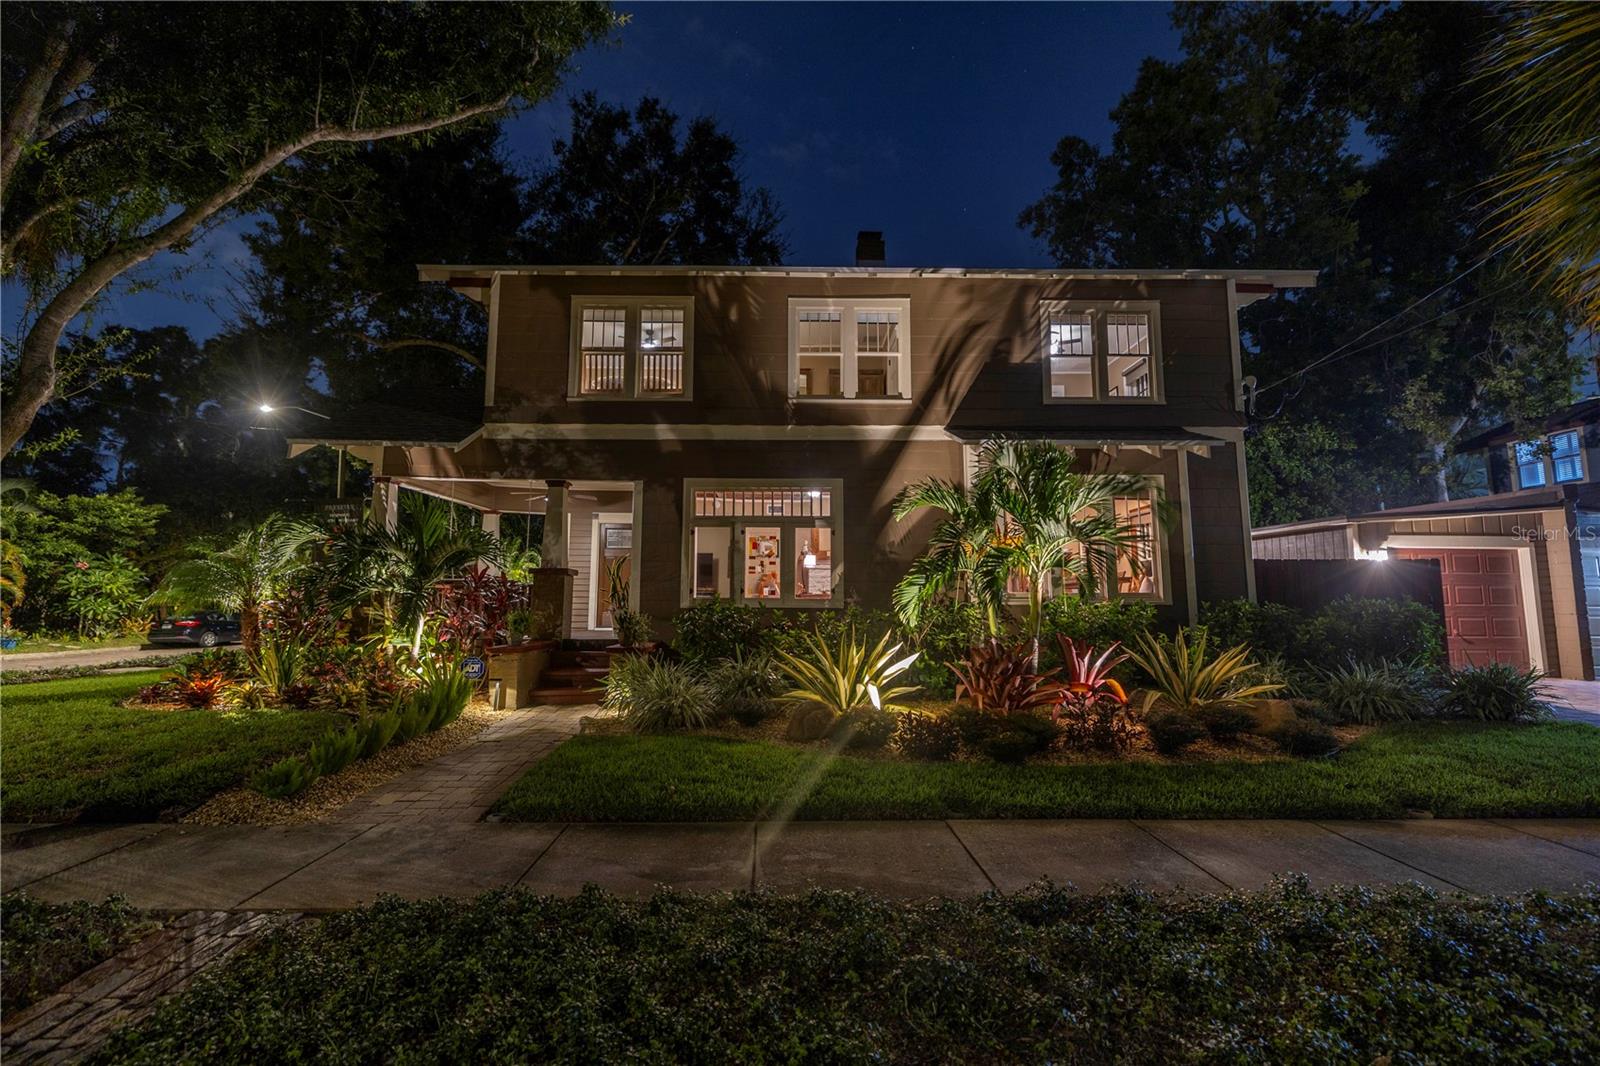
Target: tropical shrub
<point>944,633</point>
<point>655,694</point>
<point>1087,674</point>
<point>335,751</point>
<point>719,629</point>
<point>102,591</point>
<point>1306,740</point>
<point>474,609</point>
<point>45,945</point>
<point>749,710</point>
<point>194,688</point>
<point>541,621</point>
<point>443,690</point>
<point>413,715</point>
<point>13,582</point>
<point>1100,623</point>
<point>1268,629</point>
<point>280,664</point>
<point>285,778</point>
<point>927,736</point>
<point>1013,738</point>
<point>865,728</point>
<point>1184,677</point>
<point>1372,630</point>
<point>228,662</point>
<point>792,631</point>
<point>1000,679</point>
<point>1172,731</point>
<point>377,732</point>
<point>747,676</point>
<point>632,628</point>
<point>1364,693</point>
<point>1094,720</point>
<point>1494,693</point>
<point>847,676</point>
<point>1226,723</point>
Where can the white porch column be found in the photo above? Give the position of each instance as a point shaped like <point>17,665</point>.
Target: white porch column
<point>386,503</point>
<point>491,526</point>
<point>553,547</point>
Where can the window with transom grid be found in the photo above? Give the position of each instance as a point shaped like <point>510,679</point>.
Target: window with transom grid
<point>632,348</point>
<point>774,544</point>
<point>849,349</point>
<point>1101,353</point>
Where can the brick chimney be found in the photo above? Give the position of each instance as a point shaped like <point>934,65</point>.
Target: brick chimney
<point>869,248</point>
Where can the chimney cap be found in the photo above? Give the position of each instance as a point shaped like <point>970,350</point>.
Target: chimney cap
<point>870,250</point>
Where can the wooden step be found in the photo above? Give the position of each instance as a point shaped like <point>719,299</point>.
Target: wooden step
<point>570,657</point>
<point>565,694</point>
<point>575,675</point>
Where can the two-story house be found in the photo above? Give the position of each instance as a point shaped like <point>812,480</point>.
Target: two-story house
<point>741,432</point>
<point>1520,565</point>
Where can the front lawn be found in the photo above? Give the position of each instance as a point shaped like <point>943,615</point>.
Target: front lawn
<point>1284,975</point>
<point>69,750</point>
<point>1451,769</point>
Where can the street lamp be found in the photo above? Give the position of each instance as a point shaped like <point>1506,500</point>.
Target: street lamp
<point>267,409</point>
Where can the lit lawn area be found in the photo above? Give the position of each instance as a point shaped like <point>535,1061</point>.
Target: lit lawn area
<point>69,751</point>
<point>1453,770</point>
<point>1280,976</point>
<point>34,645</point>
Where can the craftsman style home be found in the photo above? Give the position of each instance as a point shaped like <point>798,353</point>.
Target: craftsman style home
<point>1520,564</point>
<point>741,432</point>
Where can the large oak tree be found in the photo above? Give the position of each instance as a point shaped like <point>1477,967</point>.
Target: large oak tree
<point>129,129</point>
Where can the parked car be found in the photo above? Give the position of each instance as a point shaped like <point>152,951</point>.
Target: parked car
<point>207,630</point>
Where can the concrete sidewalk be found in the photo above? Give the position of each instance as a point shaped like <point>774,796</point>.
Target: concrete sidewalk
<point>331,866</point>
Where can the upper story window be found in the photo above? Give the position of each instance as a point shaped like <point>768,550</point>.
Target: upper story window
<point>1558,458</point>
<point>1101,352</point>
<point>850,349</point>
<point>632,347</point>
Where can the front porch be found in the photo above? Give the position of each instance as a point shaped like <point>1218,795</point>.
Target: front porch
<point>584,531</point>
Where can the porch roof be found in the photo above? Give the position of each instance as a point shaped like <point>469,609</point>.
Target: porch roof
<point>448,418</point>
<point>1176,437</point>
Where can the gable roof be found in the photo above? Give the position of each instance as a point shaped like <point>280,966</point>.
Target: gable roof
<point>1582,413</point>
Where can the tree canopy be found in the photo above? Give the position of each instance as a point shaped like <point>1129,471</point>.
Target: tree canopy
<point>1347,139</point>
<point>128,130</point>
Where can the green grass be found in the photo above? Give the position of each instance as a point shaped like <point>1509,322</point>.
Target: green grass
<point>1280,976</point>
<point>35,645</point>
<point>67,749</point>
<point>1453,770</point>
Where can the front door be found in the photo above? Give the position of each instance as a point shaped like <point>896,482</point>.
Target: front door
<point>613,567</point>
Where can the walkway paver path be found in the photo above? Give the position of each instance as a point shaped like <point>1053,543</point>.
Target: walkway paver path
<point>325,867</point>
<point>463,785</point>
<point>69,1024</point>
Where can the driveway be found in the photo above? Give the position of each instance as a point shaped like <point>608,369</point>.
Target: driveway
<point>1574,701</point>
<point>49,660</point>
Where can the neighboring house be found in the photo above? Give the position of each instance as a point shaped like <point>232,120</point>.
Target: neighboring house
<point>1520,566</point>
<point>741,432</point>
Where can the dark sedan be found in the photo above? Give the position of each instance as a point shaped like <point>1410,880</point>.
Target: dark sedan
<point>205,630</point>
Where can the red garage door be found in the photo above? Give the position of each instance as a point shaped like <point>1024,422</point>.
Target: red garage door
<point>1483,610</point>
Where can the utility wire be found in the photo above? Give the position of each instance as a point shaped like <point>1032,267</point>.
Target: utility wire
<point>1319,361</point>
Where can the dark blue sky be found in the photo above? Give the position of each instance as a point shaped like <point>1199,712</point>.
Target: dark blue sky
<point>931,122</point>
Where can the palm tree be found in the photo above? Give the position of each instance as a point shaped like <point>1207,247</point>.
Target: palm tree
<point>244,576</point>
<point>1028,515</point>
<point>406,565</point>
<point>1541,82</point>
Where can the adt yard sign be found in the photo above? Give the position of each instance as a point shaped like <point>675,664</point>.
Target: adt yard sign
<point>474,668</point>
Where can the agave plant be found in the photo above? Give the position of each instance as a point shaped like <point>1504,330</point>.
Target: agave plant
<point>1088,675</point>
<point>1185,678</point>
<point>849,676</point>
<point>1000,679</point>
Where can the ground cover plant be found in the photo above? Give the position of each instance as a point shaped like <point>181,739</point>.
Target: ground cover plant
<point>45,945</point>
<point>72,750</point>
<point>1450,769</point>
<point>1048,975</point>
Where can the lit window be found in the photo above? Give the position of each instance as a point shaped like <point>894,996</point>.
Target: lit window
<point>1101,352</point>
<point>775,545</point>
<point>1530,464</point>
<point>631,348</point>
<point>849,349</point>
<point>1566,456</point>
<point>1139,570</point>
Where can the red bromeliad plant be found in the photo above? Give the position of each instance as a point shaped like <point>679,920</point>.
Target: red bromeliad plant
<point>1000,679</point>
<point>1090,676</point>
<point>197,689</point>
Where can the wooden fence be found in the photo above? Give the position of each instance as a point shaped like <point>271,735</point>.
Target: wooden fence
<point>1311,584</point>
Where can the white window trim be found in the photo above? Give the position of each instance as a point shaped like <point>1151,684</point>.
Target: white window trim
<point>787,601</point>
<point>1097,311</point>
<point>847,330</point>
<point>630,385</point>
<point>1547,459</point>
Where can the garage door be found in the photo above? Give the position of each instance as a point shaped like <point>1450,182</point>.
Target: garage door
<point>1483,608</point>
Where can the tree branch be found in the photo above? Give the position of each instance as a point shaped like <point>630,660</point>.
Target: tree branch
<point>68,115</point>
<point>456,350</point>
<point>22,118</point>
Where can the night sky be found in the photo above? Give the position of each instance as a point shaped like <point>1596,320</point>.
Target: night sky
<point>931,122</point>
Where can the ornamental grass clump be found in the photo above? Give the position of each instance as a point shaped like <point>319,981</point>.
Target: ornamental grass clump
<point>1184,677</point>
<point>1372,693</point>
<point>1493,693</point>
<point>653,694</point>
